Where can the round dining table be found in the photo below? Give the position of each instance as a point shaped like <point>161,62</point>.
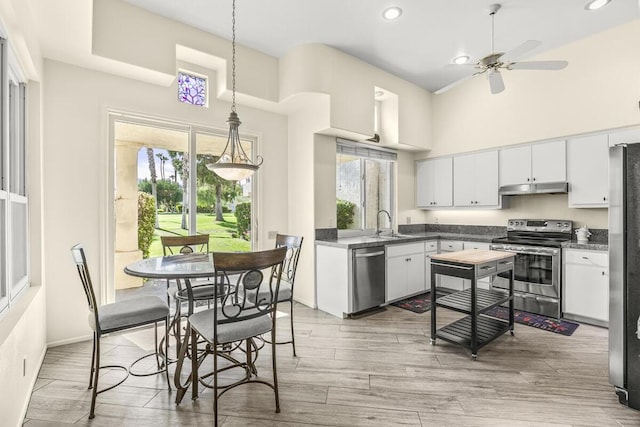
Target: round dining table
<point>181,268</point>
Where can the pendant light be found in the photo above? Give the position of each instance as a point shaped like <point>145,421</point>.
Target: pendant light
<point>234,164</point>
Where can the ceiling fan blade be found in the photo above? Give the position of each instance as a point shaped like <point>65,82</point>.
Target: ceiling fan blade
<point>496,84</point>
<point>518,51</point>
<point>538,65</point>
<point>454,84</point>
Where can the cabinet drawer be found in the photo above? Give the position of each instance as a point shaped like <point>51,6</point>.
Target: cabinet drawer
<point>476,245</point>
<point>504,265</point>
<point>594,258</point>
<point>431,246</point>
<point>486,268</point>
<point>405,249</point>
<point>450,245</point>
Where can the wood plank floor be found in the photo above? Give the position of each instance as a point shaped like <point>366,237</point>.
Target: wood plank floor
<point>378,370</point>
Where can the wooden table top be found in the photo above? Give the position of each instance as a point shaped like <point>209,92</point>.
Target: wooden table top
<point>472,256</point>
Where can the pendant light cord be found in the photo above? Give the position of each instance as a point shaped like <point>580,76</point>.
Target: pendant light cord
<point>233,56</point>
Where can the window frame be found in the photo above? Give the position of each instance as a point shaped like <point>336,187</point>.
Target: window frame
<point>13,157</point>
<point>366,152</point>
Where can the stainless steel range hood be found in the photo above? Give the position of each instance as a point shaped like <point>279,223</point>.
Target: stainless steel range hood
<point>546,188</point>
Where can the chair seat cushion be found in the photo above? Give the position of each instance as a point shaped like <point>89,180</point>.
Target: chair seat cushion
<point>200,292</point>
<point>284,293</point>
<point>129,313</point>
<point>202,323</point>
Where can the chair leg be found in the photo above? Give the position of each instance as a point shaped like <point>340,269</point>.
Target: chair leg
<point>155,342</point>
<point>293,337</point>
<point>95,376</point>
<point>215,383</point>
<point>93,362</point>
<point>166,351</point>
<point>195,379</point>
<point>275,369</point>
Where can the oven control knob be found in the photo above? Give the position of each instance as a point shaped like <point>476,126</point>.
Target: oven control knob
<point>566,224</point>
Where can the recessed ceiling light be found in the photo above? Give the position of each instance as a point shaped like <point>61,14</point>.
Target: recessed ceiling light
<point>596,4</point>
<point>392,13</point>
<point>462,59</point>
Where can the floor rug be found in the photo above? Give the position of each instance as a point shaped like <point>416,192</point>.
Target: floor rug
<point>417,304</point>
<point>539,321</point>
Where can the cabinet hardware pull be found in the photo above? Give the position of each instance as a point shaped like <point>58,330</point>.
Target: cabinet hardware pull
<point>505,263</point>
<point>528,179</point>
<point>534,179</point>
<point>584,257</point>
<point>487,267</point>
<point>603,273</point>
<point>452,266</point>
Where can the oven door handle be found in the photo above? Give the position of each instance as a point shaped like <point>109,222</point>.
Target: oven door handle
<point>525,252</point>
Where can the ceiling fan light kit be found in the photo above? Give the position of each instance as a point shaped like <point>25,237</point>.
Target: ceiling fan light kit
<point>492,64</point>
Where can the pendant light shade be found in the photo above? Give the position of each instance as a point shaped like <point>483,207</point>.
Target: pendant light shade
<point>234,164</point>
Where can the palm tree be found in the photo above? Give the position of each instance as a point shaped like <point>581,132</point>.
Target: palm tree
<point>154,182</point>
<point>163,159</point>
<point>227,190</point>
<point>180,162</point>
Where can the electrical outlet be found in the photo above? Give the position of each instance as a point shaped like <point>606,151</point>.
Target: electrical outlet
<point>272,234</point>
<point>408,220</point>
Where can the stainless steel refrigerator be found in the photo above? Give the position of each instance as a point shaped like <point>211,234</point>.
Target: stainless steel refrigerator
<point>624,272</point>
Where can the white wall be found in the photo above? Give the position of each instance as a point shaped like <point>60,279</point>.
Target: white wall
<point>22,329</point>
<point>75,165</point>
<point>599,90</point>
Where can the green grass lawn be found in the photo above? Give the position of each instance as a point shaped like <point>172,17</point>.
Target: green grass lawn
<point>220,233</point>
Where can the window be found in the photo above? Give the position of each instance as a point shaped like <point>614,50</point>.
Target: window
<point>364,185</point>
<point>192,89</point>
<point>14,207</point>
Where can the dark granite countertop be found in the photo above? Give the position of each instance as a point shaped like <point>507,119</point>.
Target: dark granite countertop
<point>370,241</point>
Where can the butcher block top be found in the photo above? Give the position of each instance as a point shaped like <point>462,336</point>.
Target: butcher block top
<point>472,256</point>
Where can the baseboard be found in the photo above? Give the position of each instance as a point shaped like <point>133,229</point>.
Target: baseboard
<point>69,341</point>
<point>25,405</point>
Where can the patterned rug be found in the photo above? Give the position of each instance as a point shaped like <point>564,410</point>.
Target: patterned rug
<point>539,321</point>
<point>417,304</point>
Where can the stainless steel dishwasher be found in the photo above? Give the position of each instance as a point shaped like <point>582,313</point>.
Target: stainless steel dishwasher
<point>368,278</point>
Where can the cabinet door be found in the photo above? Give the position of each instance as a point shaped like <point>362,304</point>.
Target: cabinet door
<point>443,182</point>
<point>588,171</point>
<point>586,291</point>
<point>515,165</point>
<point>486,178</point>
<point>396,277</point>
<point>424,184</point>
<point>464,176</point>
<point>549,162</point>
<point>427,269</point>
<point>415,273</point>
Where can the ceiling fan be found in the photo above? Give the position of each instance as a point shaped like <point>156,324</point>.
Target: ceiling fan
<point>492,63</point>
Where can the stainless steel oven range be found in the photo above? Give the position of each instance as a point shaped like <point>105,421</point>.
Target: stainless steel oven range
<point>538,267</point>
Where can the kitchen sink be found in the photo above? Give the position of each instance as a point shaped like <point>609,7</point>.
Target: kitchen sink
<point>391,236</point>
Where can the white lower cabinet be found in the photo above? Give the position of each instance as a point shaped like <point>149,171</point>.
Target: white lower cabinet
<point>586,286</point>
<point>430,248</point>
<point>405,270</point>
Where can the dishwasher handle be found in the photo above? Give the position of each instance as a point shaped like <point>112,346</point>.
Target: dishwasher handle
<point>370,254</point>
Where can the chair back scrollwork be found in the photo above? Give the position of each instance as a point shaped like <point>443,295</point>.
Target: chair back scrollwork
<point>247,292</point>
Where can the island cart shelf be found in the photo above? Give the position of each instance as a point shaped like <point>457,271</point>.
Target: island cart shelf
<point>474,330</point>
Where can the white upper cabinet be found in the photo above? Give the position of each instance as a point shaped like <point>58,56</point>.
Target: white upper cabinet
<point>475,179</point>
<point>434,183</point>
<point>629,136</point>
<point>533,164</point>
<point>588,171</point>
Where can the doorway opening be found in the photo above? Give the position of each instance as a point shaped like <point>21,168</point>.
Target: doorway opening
<point>164,163</point>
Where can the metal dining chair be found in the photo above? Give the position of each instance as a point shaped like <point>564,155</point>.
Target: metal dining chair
<point>239,315</point>
<point>285,293</point>
<point>120,316</point>
<point>201,290</point>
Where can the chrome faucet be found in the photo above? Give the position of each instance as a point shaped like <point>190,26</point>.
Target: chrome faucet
<point>378,231</point>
